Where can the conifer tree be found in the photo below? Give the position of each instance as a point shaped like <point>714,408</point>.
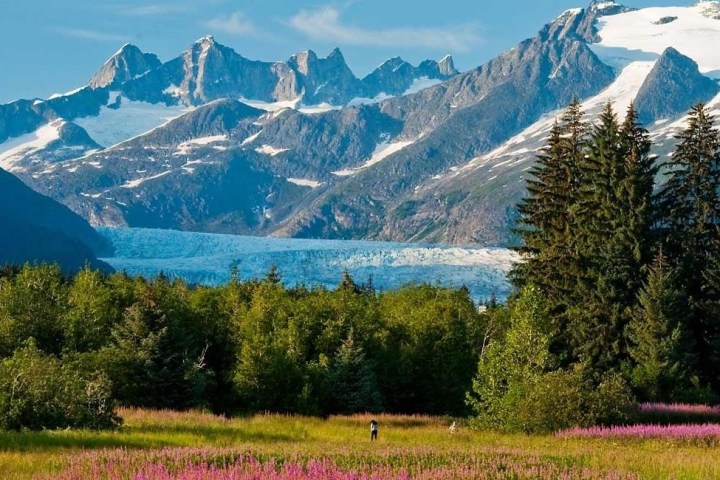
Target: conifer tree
<point>613,240</point>
<point>691,208</point>
<point>638,205</point>
<point>593,314</point>
<point>546,223</point>
<point>659,344</point>
<point>353,384</point>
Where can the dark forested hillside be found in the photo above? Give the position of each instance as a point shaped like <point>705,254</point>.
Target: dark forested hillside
<point>36,228</point>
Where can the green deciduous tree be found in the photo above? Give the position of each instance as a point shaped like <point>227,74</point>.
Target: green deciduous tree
<point>37,392</point>
<point>32,304</point>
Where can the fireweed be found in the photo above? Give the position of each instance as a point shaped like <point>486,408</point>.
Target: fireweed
<point>222,464</point>
<point>707,433</point>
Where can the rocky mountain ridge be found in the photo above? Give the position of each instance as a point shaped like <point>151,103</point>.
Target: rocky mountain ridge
<point>211,141</point>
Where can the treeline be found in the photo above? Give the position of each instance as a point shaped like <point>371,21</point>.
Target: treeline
<point>70,348</point>
<point>619,294</point>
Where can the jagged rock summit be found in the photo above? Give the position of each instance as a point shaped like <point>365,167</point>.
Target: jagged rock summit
<point>128,63</point>
<point>673,86</point>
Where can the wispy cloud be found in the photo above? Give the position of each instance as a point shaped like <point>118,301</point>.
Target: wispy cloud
<point>91,35</point>
<point>237,24</point>
<point>154,10</point>
<point>326,24</point>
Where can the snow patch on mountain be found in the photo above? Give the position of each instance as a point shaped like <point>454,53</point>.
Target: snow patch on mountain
<point>271,106</point>
<point>137,182</point>
<point>186,147</point>
<point>14,149</point>
<point>189,166</point>
<point>421,84</point>
<point>116,125</point>
<point>382,151</point>
<point>67,94</point>
<point>174,91</point>
<point>296,104</point>
<point>270,150</point>
<point>640,36</point>
<point>599,7</point>
<point>304,182</point>
<point>250,139</point>
<point>380,97</point>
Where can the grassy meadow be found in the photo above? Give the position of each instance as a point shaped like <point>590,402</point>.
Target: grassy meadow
<point>338,448</point>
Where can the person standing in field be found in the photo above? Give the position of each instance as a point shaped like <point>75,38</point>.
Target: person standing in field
<point>373,430</point>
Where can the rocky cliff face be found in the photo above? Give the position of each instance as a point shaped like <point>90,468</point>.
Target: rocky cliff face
<point>128,63</point>
<point>673,86</point>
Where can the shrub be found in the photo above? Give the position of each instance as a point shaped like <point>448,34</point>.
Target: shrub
<point>678,413</point>
<point>38,391</point>
<point>563,399</point>
<point>519,388</point>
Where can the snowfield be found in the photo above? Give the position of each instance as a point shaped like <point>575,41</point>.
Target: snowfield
<point>14,149</point>
<point>642,36</point>
<point>207,259</point>
<point>305,182</point>
<point>132,119</point>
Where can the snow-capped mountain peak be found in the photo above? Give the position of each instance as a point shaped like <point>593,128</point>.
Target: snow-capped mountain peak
<point>447,65</point>
<point>126,64</point>
<point>206,39</point>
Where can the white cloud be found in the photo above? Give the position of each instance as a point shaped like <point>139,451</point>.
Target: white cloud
<point>325,24</point>
<point>91,35</point>
<point>236,24</point>
<point>153,10</point>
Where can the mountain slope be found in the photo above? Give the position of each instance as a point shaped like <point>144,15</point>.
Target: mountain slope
<point>213,141</point>
<point>36,228</point>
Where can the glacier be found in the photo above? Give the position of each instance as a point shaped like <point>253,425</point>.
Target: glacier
<point>207,259</point>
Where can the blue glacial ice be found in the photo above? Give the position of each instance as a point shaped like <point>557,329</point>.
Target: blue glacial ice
<point>207,259</point>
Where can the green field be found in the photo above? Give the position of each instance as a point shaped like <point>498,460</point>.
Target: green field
<point>418,444</point>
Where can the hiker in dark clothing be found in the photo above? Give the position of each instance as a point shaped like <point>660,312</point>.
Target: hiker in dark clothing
<point>373,430</point>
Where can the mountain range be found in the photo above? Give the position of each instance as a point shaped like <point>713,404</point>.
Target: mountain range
<point>212,141</point>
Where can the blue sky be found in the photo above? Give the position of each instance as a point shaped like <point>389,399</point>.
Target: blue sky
<point>49,46</point>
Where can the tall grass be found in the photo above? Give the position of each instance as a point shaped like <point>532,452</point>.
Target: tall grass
<point>149,440</point>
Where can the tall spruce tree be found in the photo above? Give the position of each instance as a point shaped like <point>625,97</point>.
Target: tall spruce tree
<point>691,207</point>
<point>594,314</point>
<point>637,208</point>
<point>546,223</point>
<point>614,239</point>
<point>659,343</point>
